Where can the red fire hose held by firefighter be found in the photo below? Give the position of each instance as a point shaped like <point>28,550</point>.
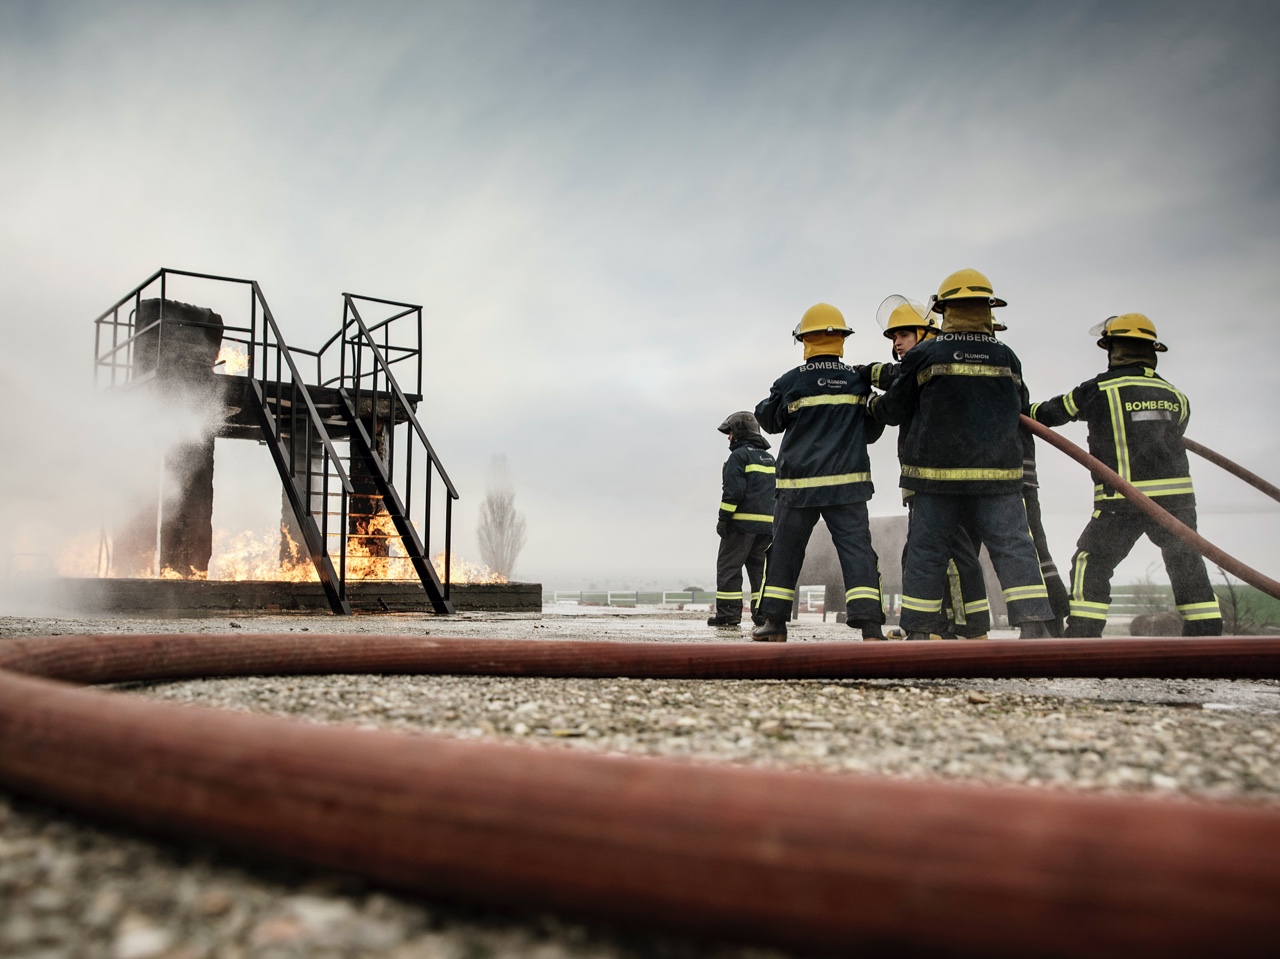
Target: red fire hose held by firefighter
<point>1162,516</point>
<point>1235,469</point>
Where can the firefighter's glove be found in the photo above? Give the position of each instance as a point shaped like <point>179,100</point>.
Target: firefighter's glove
<point>722,527</point>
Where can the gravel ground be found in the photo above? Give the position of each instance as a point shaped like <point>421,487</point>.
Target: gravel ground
<point>71,888</point>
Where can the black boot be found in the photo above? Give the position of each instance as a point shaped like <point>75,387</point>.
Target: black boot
<point>1035,629</point>
<point>871,631</point>
<point>722,620</point>
<point>770,631</point>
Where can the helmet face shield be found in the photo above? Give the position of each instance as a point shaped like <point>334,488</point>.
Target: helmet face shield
<point>899,312</point>
<point>1130,326</point>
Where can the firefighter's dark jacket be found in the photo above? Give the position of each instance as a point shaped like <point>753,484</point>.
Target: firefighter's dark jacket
<point>821,407</point>
<point>959,396</point>
<point>883,375</point>
<point>746,499</point>
<point>1136,420</point>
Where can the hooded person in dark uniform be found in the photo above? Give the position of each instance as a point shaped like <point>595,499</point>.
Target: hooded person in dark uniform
<point>745,522</point>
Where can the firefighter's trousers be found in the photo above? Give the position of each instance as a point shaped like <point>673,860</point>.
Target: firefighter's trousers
<point>738,550</point>
<point>965,600</point>
<point>999,522</point>
<point>851,536</point>
<point>1058,597</point>
<point>1106,541</point>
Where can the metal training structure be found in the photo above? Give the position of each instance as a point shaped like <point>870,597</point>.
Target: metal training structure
<point>305,405</point>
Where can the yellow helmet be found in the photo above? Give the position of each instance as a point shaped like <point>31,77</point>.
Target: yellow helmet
<point>821,318</point>
<point>1129,326</point>
<point>909,315</point>
<point>965,285</point>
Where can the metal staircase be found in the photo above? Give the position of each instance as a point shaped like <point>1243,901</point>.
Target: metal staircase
<point>376,499</point>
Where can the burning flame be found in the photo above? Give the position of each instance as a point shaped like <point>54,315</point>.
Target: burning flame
<point>247,556</point>
<point>231,361</point>
<point>460,571</point>
<point>377,553</point>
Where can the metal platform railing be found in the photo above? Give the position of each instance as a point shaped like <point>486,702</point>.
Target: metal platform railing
<point>309,421</point>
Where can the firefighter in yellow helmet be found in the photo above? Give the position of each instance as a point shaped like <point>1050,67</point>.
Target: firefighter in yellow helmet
<point>961,392</point>
<point>967,612</point>
<point>824,472</point>
<point>1136,421</point>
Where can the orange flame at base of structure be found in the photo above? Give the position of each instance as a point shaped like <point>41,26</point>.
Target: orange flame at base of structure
<point>249,556</point>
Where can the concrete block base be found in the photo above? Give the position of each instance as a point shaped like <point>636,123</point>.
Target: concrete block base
<point>176,597</point>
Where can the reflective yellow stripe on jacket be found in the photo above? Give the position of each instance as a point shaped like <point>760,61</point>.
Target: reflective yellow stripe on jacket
<point>837,479</point>
<point>965,369</point>
<point>935,473</point>
<point>837,399</point>
<point>1174,486</point>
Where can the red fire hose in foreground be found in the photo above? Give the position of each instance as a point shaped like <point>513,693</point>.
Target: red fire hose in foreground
<point>832,863</point>
<point>1157,512</point>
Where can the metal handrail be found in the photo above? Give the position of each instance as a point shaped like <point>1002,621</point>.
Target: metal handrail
<point>434,459</point>
<point>314,414</point>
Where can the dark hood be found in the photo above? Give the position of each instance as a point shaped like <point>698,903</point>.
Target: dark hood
<point>1125,351</point>
<point>749,439</point>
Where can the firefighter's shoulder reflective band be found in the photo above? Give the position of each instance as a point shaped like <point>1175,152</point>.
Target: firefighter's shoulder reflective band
<point>965,369</point>
<point>935,473</point>
<point>758,468</point>
<point>1120,381</point>
<point>838,479</point>
<point>753,517</point>
<point>834,399</point>
<point>729,507</point>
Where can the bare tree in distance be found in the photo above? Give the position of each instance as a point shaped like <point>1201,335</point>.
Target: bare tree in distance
<point>501,529</point>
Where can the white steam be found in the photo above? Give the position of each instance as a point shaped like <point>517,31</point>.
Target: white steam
<point>77,461</point>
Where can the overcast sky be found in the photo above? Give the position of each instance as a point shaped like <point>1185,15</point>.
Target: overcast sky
<point>615,213</point>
